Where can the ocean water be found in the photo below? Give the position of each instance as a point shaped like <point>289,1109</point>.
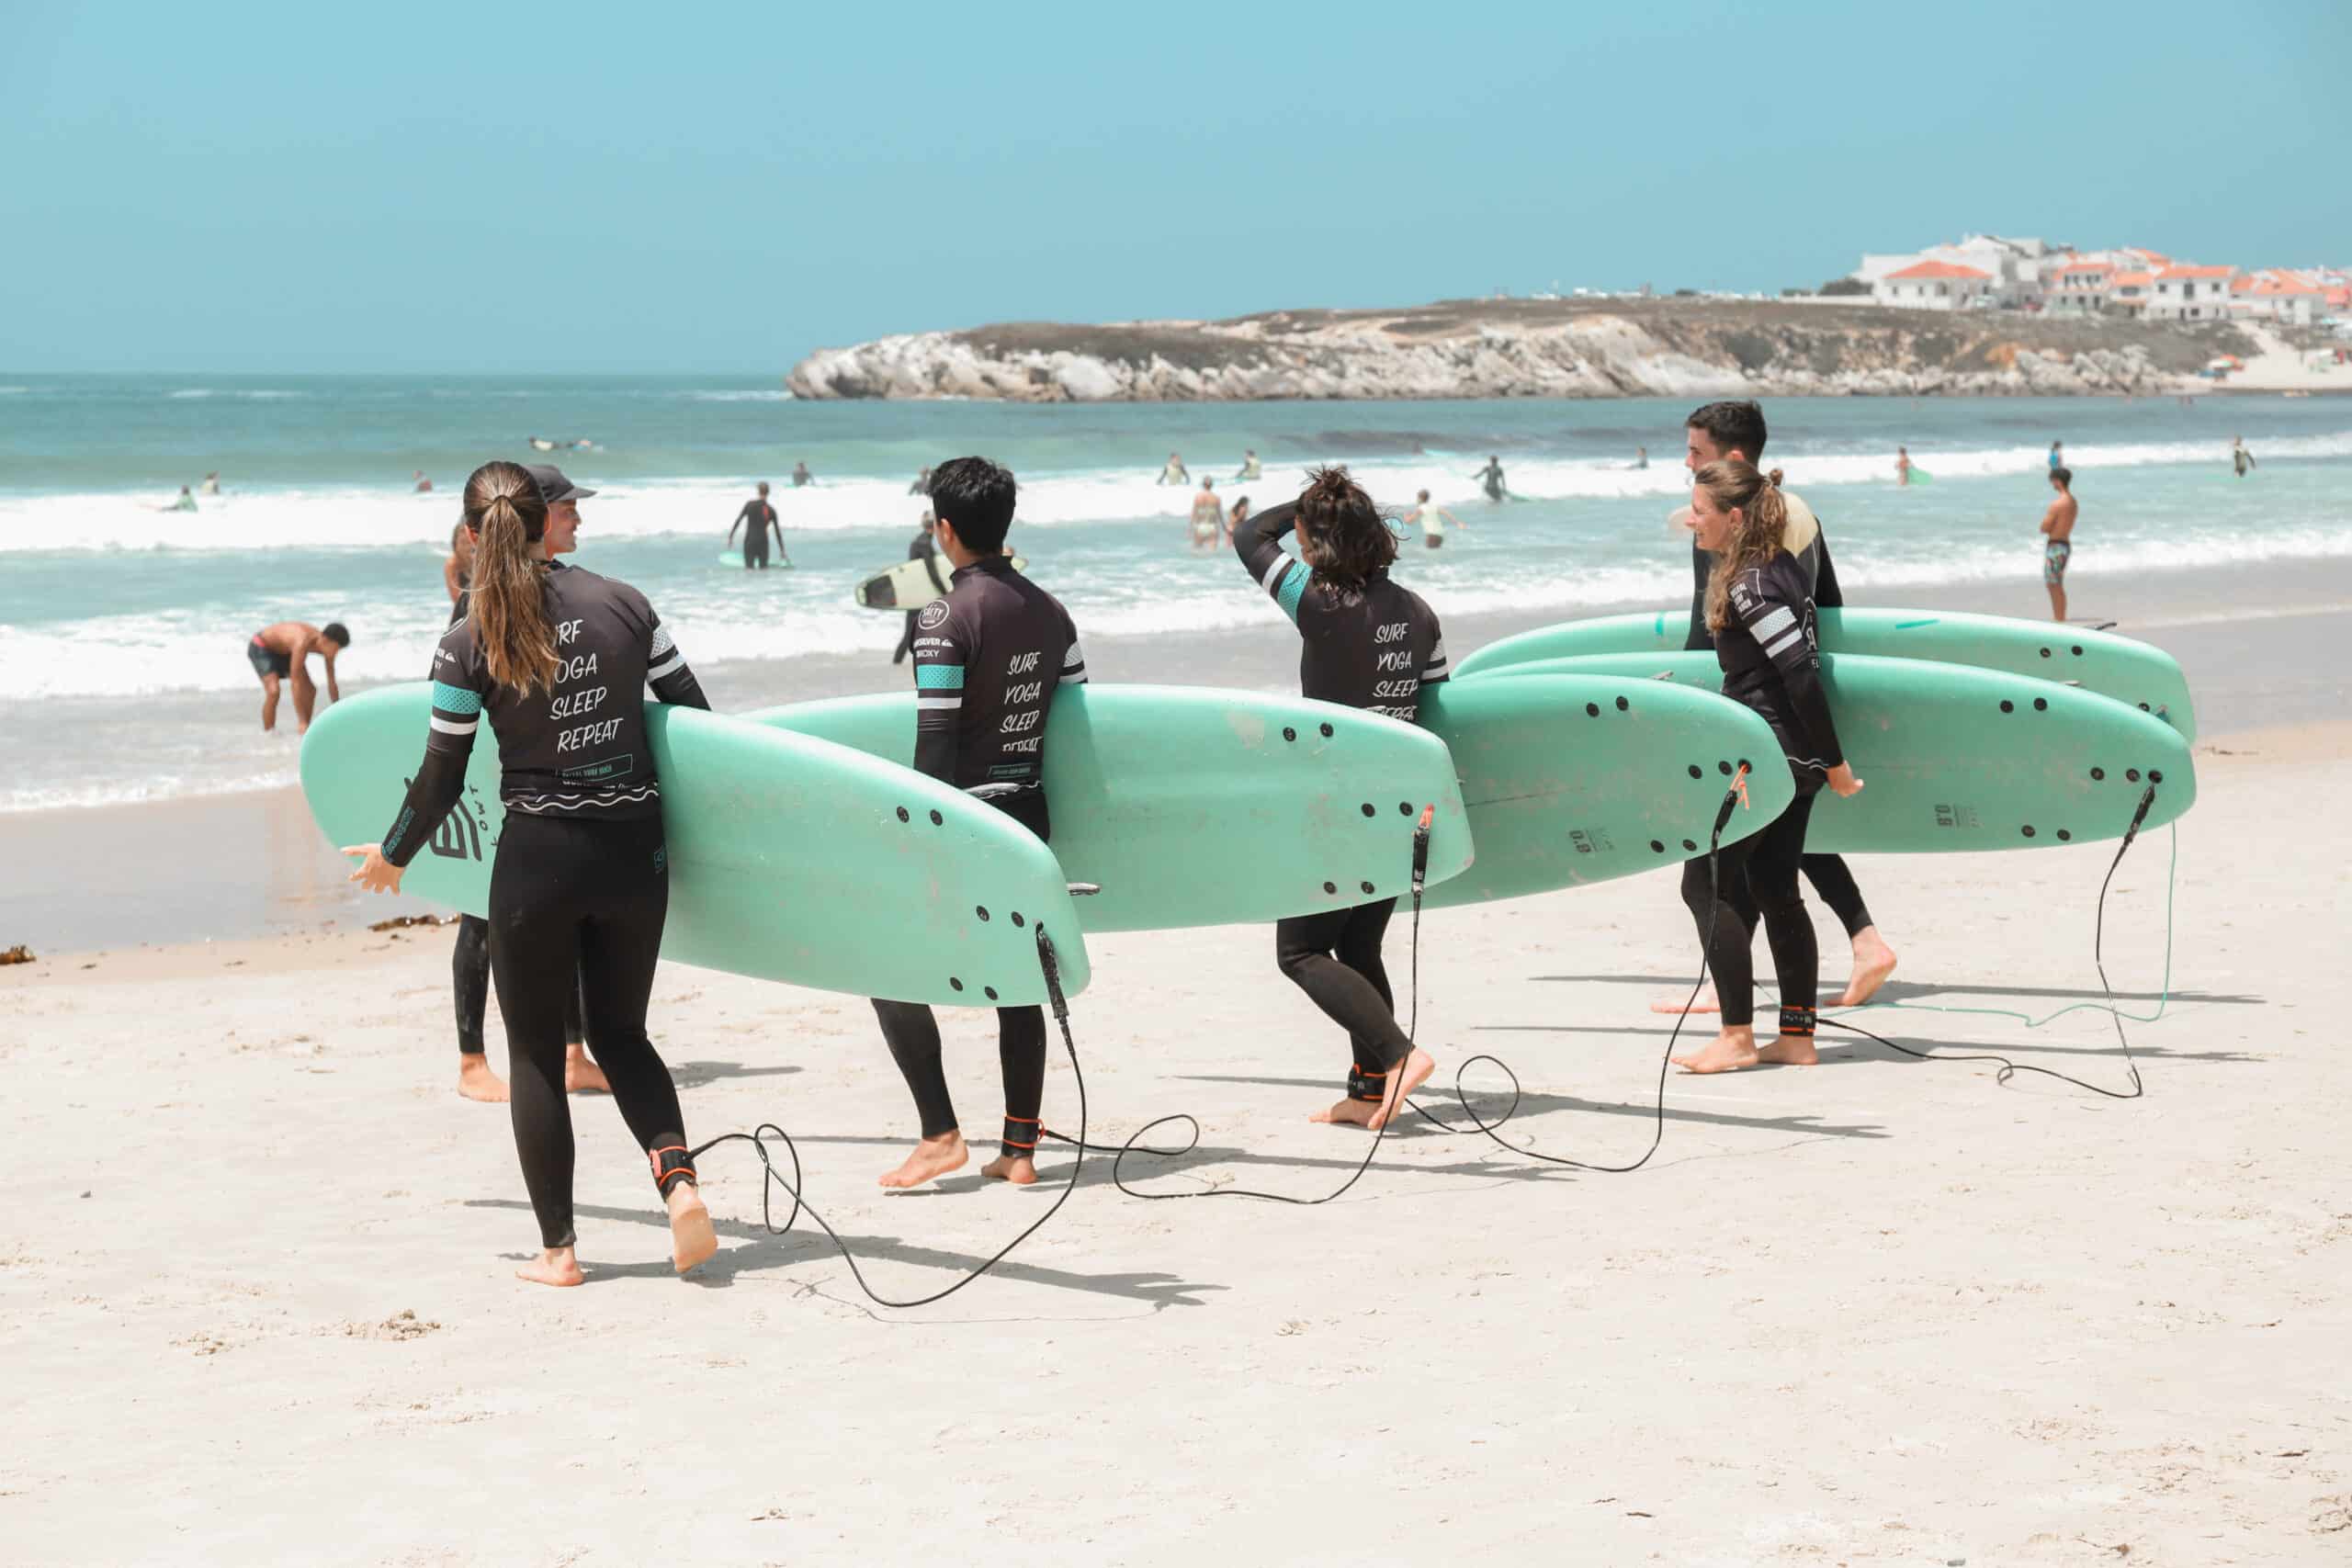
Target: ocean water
<point>122,670</point>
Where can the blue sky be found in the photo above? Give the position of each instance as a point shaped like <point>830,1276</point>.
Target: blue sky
<point>716,188</point>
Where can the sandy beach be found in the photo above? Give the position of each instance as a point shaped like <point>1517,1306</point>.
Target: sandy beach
<point>1879,1311</point>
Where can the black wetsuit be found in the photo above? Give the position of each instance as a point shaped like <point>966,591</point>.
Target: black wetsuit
<point>1829,874</point>
<point>1492,478</point>
<point>922,549</point>
<point>1770,660</point>
<point>988,659</point>
<point>1373,648</point>
<point>762,517</point>
<point>580,887</point>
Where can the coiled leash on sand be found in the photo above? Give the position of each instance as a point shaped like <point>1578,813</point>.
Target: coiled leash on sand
<point>2098,959</point>
<point>757,1138</point>
<point>1136,1146</point>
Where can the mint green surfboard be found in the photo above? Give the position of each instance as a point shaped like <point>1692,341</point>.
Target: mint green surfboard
<point>2128,671</point>
<point>1571,779</point>
<point>1952,758</point>
<point>791,859</point>
<point>1194,806</point>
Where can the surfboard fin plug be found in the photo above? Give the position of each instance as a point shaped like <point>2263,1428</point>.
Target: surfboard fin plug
<point>1084,889</point>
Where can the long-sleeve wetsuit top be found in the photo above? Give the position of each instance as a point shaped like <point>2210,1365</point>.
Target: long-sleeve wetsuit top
<point>1771,662</point>
<point>762,517</point>
<point>576,750</point>
<point>987,657</point>
<point>1373,648</point>
<point>1803,538</point>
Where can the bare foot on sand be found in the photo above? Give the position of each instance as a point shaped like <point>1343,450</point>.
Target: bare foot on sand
<point>1729,1051</point>
<point>556,1266</point>
<point>1789,1051</point>
<point>692,1238</point>
<point>582,1076</point>
<point>1706,1002</point>
<point>476,1081</point>
<point>932,1157</point>
<point>1019,1169</point>
<point>1347,1113</point>
<point>1402,1081</point>
<point>1873,961</point>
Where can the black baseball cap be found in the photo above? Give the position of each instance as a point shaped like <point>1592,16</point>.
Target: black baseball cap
<point>553,486</point>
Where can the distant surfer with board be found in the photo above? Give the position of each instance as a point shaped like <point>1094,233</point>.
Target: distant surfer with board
<point>987,659</point>
<point>1208,517</point>
<point>558,660</point>
<point>1713,433</point>
<point>761,517</point>
<point>1490,479</point>
<point>184,501</point>
<point>924,549</point>
<point>1431,519</point>
<point>2058,545</point>
<point>1902,466</point>
<point>1173,472</point>
<point>1366,643</point>
<point>1760,607</point>
<point>283,651</point>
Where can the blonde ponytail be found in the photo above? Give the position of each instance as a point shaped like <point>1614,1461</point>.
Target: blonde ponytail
<point>508,602</point>
<point>1733,485</point>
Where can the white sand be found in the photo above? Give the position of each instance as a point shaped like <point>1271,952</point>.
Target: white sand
<point>1877,1311</point>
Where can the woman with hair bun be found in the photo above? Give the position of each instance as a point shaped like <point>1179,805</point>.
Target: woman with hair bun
<point>1367,643</point>
<point>558,660</point>
<point>1759,611</point>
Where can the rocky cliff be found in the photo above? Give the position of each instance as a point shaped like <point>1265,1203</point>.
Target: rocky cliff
<point>1516,348</point>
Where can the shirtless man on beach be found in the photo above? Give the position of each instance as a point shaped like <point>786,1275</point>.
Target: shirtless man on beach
<point>2058,523</point>
<point>285,649</point>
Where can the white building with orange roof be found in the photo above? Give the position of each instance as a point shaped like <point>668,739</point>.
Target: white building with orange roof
<point>2129,291</point>
<point>2077,286</point>
<point>2186,293</point>
<point>2277,294</point>
<point>1934,285</point>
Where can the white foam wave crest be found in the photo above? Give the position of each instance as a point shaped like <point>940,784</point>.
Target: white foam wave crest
<point>775,396</point>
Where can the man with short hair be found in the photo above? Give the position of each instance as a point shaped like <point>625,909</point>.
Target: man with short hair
<point>1736,430</point>
<point>762,517</point>
<point>2058,523</point>
<point>988,659</point>
<point>285,649</point>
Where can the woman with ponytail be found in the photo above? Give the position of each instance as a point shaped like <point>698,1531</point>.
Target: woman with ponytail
<point>1367,644</point>
<point>1759,611</point>
<point>558,660</point>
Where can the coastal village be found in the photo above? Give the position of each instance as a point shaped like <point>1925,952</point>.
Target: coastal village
<point>1998,272</point>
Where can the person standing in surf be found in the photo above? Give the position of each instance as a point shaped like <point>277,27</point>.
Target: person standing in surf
<point>989,657</point>
<point>1491,479</point>
<point>1713,433</point>
<point>1902,466</point>
<point>2058,543</point>
<point>2057,456</point>
<point>1234,518</point>
<point>1208,517</point>
<point>1174,473</point>
<point>1759,608</point>
<point>1249,467</point>
<point>1431,519</point>
<point>2240,458</point>
<point>558,660</point>
<point>760,517</point>
<point>922,548</point>
<point>1365,643</point>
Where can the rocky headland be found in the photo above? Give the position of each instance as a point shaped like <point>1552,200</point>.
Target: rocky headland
<point>1529,348</point>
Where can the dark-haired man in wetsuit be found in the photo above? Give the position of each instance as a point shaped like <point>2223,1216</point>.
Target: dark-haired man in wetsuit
<point>285,649</point>
<point>762,517</point>
<point>987,659</point>
<point>1738,429</point>
<point>1491,479</point>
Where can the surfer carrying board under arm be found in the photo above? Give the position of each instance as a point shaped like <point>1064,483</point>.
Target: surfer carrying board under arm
<point>922,548</point>
<point>987,659</point>
<point>1902,466</point>
<point>1715,431</point>
<point>558,660</point>
<point>2058,548</point>
<point>1760,606</point>
<point>1369,644</point>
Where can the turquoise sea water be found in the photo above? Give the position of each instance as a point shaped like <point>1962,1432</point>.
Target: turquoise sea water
<point>122,627</point>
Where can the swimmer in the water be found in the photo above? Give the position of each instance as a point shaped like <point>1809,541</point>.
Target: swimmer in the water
<point>1237,516</point>
<point>1431,519</point>
<point>422,485</point>
<point>212,483</point>
<point>1490,479</point>
<point>1208,518</point>
<point>801,476</point>
<point>540,443</point>
<point>921,485</point>
<point>186,502</point>
<point>2240,458</point>
<point>1174,473</point>
<point>1902,466</point>
<point>1249,467</point>
<point>1641,457</point>
<point>761,517</point>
